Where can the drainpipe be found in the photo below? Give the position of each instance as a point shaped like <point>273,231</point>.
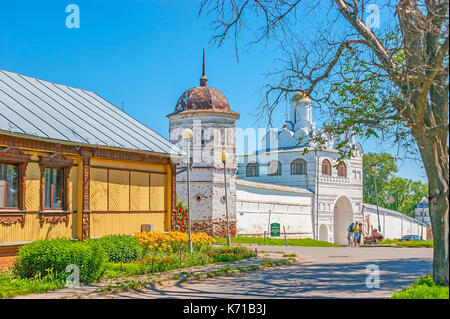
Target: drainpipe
<point>317,197</point>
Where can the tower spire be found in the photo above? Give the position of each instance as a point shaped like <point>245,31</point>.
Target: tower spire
<point>203,79</point>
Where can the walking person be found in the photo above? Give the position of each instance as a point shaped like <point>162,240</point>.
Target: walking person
<point>356,234</point>
<point>350,234</point>
<point>361,234</point>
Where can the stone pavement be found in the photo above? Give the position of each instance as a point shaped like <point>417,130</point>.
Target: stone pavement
<point>161,279</point>
<point>323,272</point>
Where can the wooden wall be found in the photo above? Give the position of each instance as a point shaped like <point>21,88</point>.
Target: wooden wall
<point>125,195</point>
<point>32,228</point>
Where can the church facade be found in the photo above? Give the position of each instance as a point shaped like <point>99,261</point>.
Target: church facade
<point>337,188</point>
<point>307,191</point>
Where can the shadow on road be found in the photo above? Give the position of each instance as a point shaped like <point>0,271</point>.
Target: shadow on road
<point>301,280</point>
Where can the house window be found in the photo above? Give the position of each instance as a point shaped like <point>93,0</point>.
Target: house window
<point>274,168</point>
<point>342,170</point>
<point>252,170</point>
<point>53,188</point>
<point>326,167</point>
<point>298,167</point>
<point>9,186</point>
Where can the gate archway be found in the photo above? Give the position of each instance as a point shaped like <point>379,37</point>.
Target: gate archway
<point>342,218</point>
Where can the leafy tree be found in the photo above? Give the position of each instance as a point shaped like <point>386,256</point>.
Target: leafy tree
<point>385,170</point>
<point>390,81</point>
<point>406,194</point>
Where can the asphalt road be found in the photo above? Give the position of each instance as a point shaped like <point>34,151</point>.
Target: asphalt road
<point>321,272</point>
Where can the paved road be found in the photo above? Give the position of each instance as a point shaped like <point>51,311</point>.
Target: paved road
<point>321,272</point>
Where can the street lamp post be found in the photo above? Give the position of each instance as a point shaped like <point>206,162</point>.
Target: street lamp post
<point>317,195</point>
<point>226,197</point>
<point>187,135</point>
<point>373,168</point>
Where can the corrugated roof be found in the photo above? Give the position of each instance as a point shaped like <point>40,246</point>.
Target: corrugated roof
<point>53,111</point>
<point>283,188</point>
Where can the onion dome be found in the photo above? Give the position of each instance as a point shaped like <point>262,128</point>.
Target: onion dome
<point>203,97</point>
<point>299,96</point>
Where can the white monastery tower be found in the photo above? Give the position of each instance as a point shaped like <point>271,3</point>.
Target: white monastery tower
<point>205,110</point>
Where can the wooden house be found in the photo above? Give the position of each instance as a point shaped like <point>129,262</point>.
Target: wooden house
<point>74,165</point>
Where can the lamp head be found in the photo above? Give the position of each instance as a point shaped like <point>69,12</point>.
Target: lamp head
<point>373,168</point>
<point>187,134</point>
<point>224,156</point>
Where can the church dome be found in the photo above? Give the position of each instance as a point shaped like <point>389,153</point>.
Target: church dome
<point>299,96</point>
<point>202,98</point>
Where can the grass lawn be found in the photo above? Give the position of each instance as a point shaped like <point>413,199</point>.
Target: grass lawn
<point>308,242</point>
<point>417,243</point>
<point>423,288</point>
<point>11,286</point>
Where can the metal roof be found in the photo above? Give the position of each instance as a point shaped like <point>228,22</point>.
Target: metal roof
<point>269,186</point>
<point>53,111</point>
<point>391,212</point>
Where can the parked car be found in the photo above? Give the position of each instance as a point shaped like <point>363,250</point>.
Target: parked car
<point>411,238</point>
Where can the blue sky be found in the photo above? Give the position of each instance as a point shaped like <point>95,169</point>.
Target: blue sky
<point>144,53</point>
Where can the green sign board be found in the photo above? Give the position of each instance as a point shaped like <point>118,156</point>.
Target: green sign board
<point>275,230</point>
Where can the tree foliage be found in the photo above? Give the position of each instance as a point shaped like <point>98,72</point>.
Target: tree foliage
<point>386,82</point>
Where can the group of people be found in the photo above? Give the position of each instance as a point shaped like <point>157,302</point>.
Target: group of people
<point>355,233</point>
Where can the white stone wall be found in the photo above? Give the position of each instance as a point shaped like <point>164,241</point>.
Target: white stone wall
<point>207,190</point>
<point>394,224</point>
<point>291,209</point>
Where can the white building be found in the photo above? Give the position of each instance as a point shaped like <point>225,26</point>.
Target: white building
<point>205,110</point>
<point>307,192</point>
<point>422,212</point>
<point>337,188</point>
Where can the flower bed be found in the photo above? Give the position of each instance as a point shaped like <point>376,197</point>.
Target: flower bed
<point>41,266</point>
<point>158,261</point>
<point>173,241</point>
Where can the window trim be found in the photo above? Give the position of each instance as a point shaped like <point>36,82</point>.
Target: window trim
<point>329,167</point>
<point>253,164</point>
<point>6,189</point>
<point>339,168</point>
<point>16,156</point>
<point>55,160</point>
<point>298,162</point>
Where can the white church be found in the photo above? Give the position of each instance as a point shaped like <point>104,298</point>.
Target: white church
<point>307,193</point>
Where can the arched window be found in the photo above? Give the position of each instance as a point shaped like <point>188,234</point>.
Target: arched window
<point>202,138</point>
<point>342,170</point>
<point>326,167</point>
<point>298,167</point>
<point>274,168</point>
<point>252,170</point>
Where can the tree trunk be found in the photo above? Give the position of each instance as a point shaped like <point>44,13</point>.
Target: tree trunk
<point>435,160</point>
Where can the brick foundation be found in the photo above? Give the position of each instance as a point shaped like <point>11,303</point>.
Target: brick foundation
<point>7,255</point>
<point>217,227</point>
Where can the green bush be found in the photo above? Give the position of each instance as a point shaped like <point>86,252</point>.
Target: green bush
<point>120,248</point>
<point>423,288</point>
<point>53,256</point>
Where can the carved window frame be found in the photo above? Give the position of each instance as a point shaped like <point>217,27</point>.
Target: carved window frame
<point>15,156</point>
<point>55,160</point>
